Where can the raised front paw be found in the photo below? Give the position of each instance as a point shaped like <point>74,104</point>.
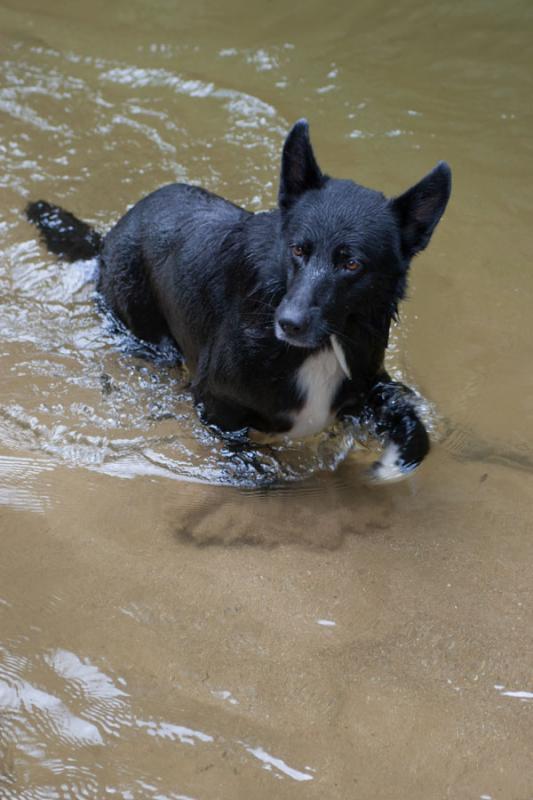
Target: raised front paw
<point>406,448</point>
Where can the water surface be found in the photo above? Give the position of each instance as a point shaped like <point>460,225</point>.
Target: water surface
<point>185,620</point>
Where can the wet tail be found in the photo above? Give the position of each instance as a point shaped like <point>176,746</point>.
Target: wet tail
<point>67,237</point>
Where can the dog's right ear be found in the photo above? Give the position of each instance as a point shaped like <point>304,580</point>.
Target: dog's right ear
<point>419,209</point>
<point>299,170</point>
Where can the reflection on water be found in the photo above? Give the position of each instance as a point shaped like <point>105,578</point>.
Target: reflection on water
<point>76,708</point>
<point>525,697</point>
<point>209,637</point>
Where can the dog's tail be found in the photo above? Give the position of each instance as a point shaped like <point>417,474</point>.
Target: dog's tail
<point>64,234</point>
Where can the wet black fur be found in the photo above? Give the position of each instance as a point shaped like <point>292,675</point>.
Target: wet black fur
<point>246,308</point>
<point>60,227</point>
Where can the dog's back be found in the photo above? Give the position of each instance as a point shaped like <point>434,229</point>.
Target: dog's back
<point>163,264</point>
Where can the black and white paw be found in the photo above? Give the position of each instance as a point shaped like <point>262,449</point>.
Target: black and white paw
<point>392,467</point>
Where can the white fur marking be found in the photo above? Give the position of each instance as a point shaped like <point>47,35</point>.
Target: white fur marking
<point>339,352</point>
<point>389,467</point>
<point>318,379</point>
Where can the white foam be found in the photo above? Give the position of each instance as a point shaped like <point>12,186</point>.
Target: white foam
<point>520,694</point>
<point>272,761</point>
<point>167,730</point>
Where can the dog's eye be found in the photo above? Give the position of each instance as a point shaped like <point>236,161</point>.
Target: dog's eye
<point>352,265</point>
<point>297,250</point>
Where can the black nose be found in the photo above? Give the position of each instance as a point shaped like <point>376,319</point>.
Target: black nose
<point>294,324</point>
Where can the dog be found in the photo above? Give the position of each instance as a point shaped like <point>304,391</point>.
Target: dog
<point>282,316</point>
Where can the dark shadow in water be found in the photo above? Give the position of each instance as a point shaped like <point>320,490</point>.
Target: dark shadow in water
<point>317,514</point>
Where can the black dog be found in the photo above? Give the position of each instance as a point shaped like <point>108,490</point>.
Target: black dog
<point>283,317</point>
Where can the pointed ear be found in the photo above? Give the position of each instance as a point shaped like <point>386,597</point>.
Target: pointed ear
<point>419,209</point>
<point>299,170</point>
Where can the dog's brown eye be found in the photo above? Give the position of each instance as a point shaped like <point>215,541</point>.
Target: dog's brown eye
<point>297,250</point>
<point>352,265</point>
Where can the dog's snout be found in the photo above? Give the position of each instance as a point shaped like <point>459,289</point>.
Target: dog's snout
<point>294,324</point>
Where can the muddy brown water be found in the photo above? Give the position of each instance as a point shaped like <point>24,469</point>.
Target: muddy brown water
<point>172,625</point>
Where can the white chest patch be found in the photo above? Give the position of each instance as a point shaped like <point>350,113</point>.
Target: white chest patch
<point>318,380</point>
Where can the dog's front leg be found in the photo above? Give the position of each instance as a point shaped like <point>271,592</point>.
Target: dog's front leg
<point>391,408</point>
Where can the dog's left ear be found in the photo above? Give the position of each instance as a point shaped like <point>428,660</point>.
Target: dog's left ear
<point>420,208</point>
<point>299,170</point>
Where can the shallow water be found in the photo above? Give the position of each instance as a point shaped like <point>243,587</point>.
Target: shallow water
<point>180,618</point>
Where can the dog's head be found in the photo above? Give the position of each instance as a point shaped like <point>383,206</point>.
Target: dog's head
<point>346,248</point>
